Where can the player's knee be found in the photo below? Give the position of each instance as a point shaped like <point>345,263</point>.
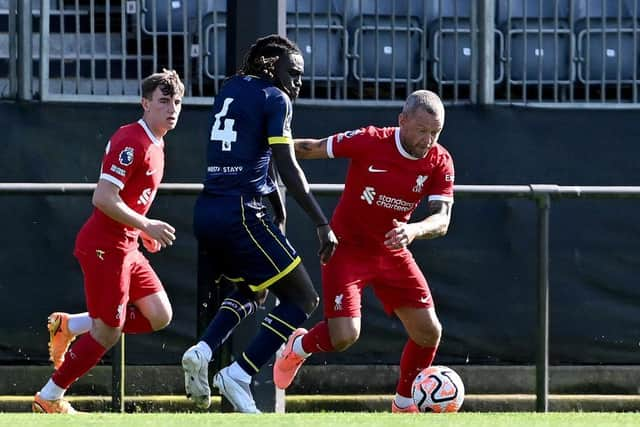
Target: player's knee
<point>311,304</point>
<point>344,339</point>
<point>427,335</point>
<point>106,335</point>
<point>308,303</point>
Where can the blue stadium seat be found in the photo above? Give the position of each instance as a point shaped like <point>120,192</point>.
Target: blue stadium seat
<point>539,43</point>
<point>608,41</point>
<point>388,41</point>
<point>450,41</point>
<point>317,28</point>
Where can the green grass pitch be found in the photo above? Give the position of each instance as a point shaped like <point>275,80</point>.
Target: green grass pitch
<point>326,419</point>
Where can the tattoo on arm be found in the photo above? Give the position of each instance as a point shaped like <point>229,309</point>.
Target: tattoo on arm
<point>304,146</point>
<point>310,148</point>
<point>438,207</point>
<point>429,230</point>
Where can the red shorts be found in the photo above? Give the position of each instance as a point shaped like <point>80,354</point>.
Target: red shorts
<point>395,277</point>
<point>112,279</point>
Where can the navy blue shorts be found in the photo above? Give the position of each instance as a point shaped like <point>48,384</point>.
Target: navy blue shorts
<point>243,244</point>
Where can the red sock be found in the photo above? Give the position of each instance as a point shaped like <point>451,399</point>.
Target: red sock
<point>136,323</point>
<point>414,359</point>
<point>80,358</point>
<point>318,340</point>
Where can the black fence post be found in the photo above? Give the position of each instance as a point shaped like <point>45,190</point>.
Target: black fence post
<point>541,194</point>
<point>117,376</point>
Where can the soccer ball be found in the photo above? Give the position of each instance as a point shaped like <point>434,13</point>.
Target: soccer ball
<point>438,389</point>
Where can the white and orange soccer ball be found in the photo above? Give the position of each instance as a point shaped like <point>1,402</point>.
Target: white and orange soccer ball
<point>438,389</point>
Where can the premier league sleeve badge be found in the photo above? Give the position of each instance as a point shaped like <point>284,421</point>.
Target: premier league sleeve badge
<point>126,156</point>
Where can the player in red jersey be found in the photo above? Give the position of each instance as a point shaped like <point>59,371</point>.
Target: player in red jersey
<point>123,293</point>
<point>391,171</point>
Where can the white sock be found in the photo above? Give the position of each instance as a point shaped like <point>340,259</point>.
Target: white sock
<point>237,373</point>
<point>51,391</point>
<point>79,323</point>
<point>297,347</point>
<point>205,350</point>
<point>403,402</point>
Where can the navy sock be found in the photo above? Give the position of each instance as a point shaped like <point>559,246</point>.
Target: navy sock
<point>274,331</point>
<point>232,311</point>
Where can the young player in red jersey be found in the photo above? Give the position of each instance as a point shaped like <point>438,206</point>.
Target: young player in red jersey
<point>123,293</point>
<point>391,171</point>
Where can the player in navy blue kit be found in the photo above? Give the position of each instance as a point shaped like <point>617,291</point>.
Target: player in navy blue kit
<point>251,131</point>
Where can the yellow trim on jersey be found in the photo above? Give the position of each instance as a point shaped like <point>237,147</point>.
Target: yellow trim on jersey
<point>277,277</point>
<point>280,140</point>
<point>282,321</point>
<point>276,238</point>
<point>252,238</point>
<point>231,310</point>
<point>239,304</point>
<point>231,279</point>
<point>253,365</point>
<point>274,331</point>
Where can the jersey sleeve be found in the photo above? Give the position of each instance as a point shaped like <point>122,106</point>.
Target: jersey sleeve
<point>279,113</point>
<point>122,157</point>
<point>443,180</point>
<point>350,144</point>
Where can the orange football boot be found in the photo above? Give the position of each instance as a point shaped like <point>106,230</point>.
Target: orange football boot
<point>58,406</point>
<point>411,409</point>
<point>59,337</point>
<point>288,362</point>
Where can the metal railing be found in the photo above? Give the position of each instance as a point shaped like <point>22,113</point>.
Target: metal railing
<point>541,194</point>
<point>543,52</point>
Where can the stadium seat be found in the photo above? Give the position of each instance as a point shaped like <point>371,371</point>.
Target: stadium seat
<point>539,43</point>
<point>164,17</point>
<point>161,17</point>
<point>608,41</point>
<point>83,55</point>
<point>317,28</point>
<point>450,40</point>
<point>214,30</point>
<point>388,41</point>
<point>4,46</point>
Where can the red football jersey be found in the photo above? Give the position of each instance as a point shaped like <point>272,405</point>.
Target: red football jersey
<point>133,161</point>
<point>384,182</point>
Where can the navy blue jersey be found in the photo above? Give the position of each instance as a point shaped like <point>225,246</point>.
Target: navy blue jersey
<point>249,114</point>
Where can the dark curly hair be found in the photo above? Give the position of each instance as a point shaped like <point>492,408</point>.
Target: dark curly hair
<point>168,81</point>
<point>264,53</point>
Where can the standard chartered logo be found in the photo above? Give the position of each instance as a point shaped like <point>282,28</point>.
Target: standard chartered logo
<point>368,194</point>
<point>384,201</point>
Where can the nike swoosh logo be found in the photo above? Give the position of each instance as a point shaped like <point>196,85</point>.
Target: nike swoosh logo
<point>374,170</point>
<point>150,172</point>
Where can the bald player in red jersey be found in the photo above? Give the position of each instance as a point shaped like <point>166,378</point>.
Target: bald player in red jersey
<point>123,293</point>
<point>391,171</point>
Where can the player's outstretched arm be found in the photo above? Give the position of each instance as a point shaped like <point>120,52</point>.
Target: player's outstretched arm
<point>307,148</point>
<point>296,183</point>
<point>106,197</point>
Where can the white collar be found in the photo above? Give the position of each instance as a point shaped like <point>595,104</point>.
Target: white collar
<point>403,152</point>
<point>150,134</point>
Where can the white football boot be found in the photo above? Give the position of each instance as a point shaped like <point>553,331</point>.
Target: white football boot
<point>237,392</point>
<point>196,377</point>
